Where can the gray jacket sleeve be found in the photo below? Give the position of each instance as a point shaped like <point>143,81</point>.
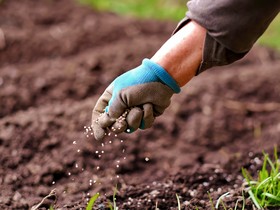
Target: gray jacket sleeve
<point>233,26</point>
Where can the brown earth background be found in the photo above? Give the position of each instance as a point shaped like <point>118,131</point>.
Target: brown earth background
<point>57,57</point>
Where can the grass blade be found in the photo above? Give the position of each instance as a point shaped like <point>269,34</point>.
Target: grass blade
<point>254,199</point>
<point>236,205</point>
<point>92,201</point>
<point>220,199</point>
<point>211,201</point>
<point>114,199</point>
<point>178,201</point>
<point>271,196</point>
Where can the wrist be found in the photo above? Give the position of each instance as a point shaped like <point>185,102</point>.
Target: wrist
<point>181,55</point>
<point>162,74</point>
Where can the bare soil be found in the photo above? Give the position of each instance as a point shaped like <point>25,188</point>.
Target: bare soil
<point>57,57</point>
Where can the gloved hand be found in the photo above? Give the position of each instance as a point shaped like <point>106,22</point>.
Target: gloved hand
<point>133,100</point>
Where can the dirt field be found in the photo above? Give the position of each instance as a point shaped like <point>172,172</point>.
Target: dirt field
<point>57,57</point>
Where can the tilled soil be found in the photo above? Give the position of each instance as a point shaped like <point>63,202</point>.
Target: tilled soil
<point>57,57</point>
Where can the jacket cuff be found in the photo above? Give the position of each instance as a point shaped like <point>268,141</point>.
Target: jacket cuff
<point>214,53</point>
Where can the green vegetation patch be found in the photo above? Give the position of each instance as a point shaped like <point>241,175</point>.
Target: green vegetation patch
<point>265,191</point>
<point>153,9</point>
<point>271,37</point>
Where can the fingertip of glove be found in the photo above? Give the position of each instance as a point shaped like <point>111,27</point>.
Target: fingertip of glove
<point>99,134</point>
<point>105,121</point>
<point>119,126</point>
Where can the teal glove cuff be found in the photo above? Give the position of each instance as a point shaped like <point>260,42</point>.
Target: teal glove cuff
<point>148,72</point>
<point>162,74</point>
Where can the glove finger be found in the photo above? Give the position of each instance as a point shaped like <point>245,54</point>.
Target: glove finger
<point>119,126</point>
<point>105,121</point>
<point>119,104</point>
<point>99,130</point>
<point>134,118</point>
<point>161,100</point>
<point>155,93</point>
<point>104,99</point>
<point>148,117</point>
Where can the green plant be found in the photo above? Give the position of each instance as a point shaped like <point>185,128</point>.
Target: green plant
<point>114,206</point>
<point>211,201</point>
<point>178,201</point>
<point>265,192</point>
<point>92,201</point>
<point>220,201</point>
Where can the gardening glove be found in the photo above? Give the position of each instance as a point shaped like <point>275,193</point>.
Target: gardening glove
<point>133,100</point>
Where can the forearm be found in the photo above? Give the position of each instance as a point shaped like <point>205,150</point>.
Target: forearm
<point>181,55</point>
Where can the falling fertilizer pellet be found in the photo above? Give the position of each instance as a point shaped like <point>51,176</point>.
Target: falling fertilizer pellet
<point>53,182</point>
<point>101,150</point>
<point>147,159</point>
